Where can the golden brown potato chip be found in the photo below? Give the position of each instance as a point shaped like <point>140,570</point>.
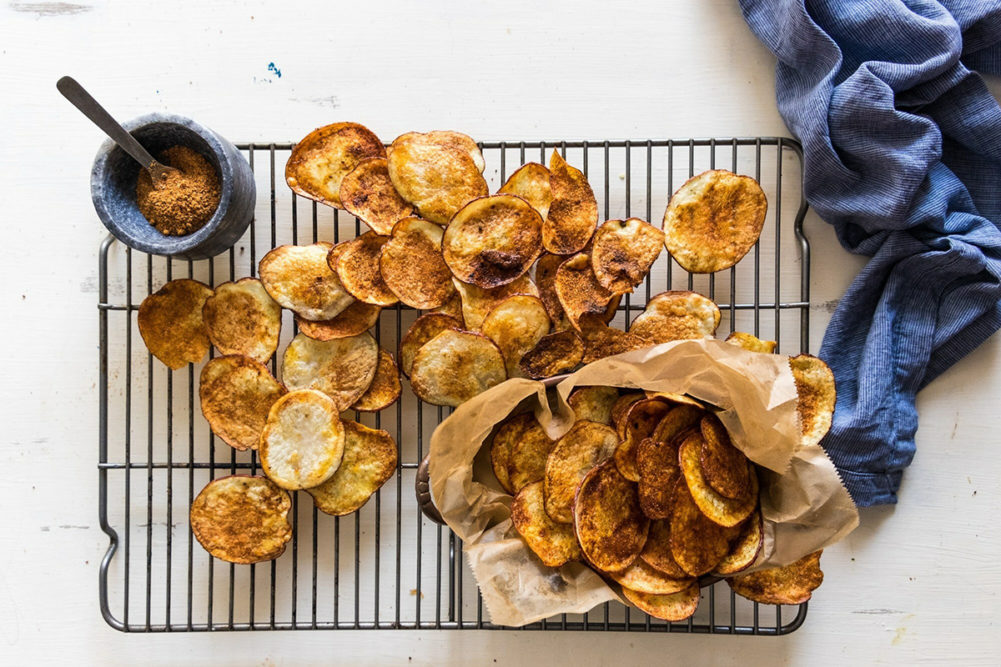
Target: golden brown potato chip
<point>385,388</point>
<point>723,465</point>
<point>697,543</point>
<point>531,183</point>
<point>573,212</point>
<point>713,220</point>
<point>682,417</point>
<point>492,240</point>
<point>791,584</point>
<point>545,279</point>
<point>724,511</point>
<point>642,578</point>
<point>674,607</point>
<point>454,366</point>
<point>368,194</point>
<point>639,422</point>
<point>623,252</point>
<point>555,353</point>
<point>657,464</point>
<point>676,316</point>
<point>516,325</point>
<point>412,265</point>
<point>816,396</point>
<point>357,318</point>
<point>608,520</point>
<point>745,549</point>
<point>529,453</point>
<point>581,448</point>
<point>601,340</point>
<point>357,265</point>
<point>477,302</point>
<point>236,394</point>
<point>299,278</point>
<point>321,160</point>
<point>438,172</point>
<point>369,460</point>
<point>579,291</point>
<point>751,343</point>
<point>622,405</point>
<point>242,519</point>
<point>343,368</point>
<point>657,550</point>
<point>303,440</point>
<point>593,403</point>
<point>171,324</point>
<point>554,543</point>
<point>242,318</point>
<point>509,432</point>
<point>452,306</point>
<point>421,331</point>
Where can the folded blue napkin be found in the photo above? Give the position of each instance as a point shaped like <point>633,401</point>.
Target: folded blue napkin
<point>902,150</point>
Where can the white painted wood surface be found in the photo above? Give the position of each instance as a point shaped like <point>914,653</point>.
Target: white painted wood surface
<point>915,583</point>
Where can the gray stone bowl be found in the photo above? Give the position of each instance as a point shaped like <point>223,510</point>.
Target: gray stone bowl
<point>113,189</point>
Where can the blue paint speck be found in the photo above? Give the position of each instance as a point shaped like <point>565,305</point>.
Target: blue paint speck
<point>274,68</point>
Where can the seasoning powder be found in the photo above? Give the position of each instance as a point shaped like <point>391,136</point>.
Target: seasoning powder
<point>185,200</point>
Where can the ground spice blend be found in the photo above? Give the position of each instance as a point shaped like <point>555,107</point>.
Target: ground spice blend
<point>186,199</point>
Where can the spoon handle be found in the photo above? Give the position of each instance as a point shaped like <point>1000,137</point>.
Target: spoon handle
<point>90,108</point>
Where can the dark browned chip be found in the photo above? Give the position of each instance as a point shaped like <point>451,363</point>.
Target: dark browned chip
<point>623,252</point>
<point>601,340</point>
<point>579,291</point>
<point>790,584</point>
<point>555,353</point>
<point>357,318</point>
<point>545,280</point>
<point>622,405</point>
<point>723,465</point>
<point>357,265</point>
<point>657,463</point>
<point>608,521</point>
<point>657,550</point>
<point>573,212</point>
<point>171,324</point>
<point>641,419</point>
<point>697,543</point>
<point>412,266</point>
<point>368,194</point>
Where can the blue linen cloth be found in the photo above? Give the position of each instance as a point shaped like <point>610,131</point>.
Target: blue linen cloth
<point>902,150</point>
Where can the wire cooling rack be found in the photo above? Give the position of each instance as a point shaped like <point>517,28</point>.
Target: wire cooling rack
<point>387,566</point>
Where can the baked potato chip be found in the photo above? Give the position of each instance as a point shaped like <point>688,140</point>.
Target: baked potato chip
<point>299,278</point>
<point>623,252</point>
<point>680,399</point>
<point>357,265</point>
<point>303,440</point>
<point>676,316</point>
<point>745,549</point>
<point>683,416</point>
<point>719,509</point>
<point>529,454</point>
<point>242,519</point>
<point>531,183</point>
<point>242,318</point>
<point>454,366</point>
<point>639,422</point>
<point>321,160</point>
<point>723,465</point>
<point>357,318</point>
<point>477,302</point>
<point>657,464</point>
<point>657,550</point>
<point>621,406</point>
<point>385,388</point>
<point>545,279</point>
<point>412,265</point>
<point>608,521</point>
<point>369,460</point>
<point>516,325</point>
<point>581,448</point>
<point>368,194</point>
<point>579,291</point>
<point>816,396</point>
<point>674,607</point>
<point>555,353</point>
<point>642,578</point>
<point>573,211</point>
<point>713,220</point>
<point>421,331</point>
<point>697,543</point>
<point>343,368</point>
<point>791,584</point>
<point>509,432</point>
<point>236,395</point>
<point>554,543</point>
<point>492,240</point>
<point>452,306</point>
<point>593,403</point>
<point>438,172</point>
<point>170,322</point>
<point>751,343</point>
<point>601,340</point>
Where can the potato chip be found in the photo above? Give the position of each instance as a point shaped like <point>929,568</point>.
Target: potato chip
<point>477,302</point>
<point>170,322</point>
<point>385,388</point>
<point>357,318</point>
<point>745,549</point>
<point>554,354</point>
<point>657,464</point>
<point>719,509</point>
<point>492,240</point>
<point>299,278</point>
<point>573,212</point>
<point>242,519</point>
<point>321,160</point>
<point>545,279</point>
<point>601,340</point>
<point>657,550</point>
<point>790,584</point>
<point>303,440</point>
<point>608,520</point>
<point>454,366</point>
<point>343,368</point>
<point>723,465</point>
<point>639,422</point>
<point>531,183</point>
<point>642,578</point>
<point>368,194</point>
<point>242,318</point>
<point>438,172</point>
<point>751,343</point>
<point>697,544</point>
<point>713,220</point>
<point>412,265</point>
<point>581,448</point>
<point>421,331</point>
<point>579,291</point>
<point>516,325</point>
<point>674,607</point>
<point>683,416</point>
<point>554,543</point>
<point>452,306</point>
<point>623,252</point>
<point>817,396</point>
<point>593,403</point>
<point>509,432</point>
<point>236,394</point>
<point>676,316</point>
<point>622,405</point>
<point>357,266</point>
<point>369,460</point>
<point>529,453</point>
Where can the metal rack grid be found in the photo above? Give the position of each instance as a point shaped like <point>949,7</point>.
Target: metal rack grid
<point>387,566</point>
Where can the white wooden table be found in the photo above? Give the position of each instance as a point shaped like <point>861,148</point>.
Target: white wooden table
<point>919,582</point>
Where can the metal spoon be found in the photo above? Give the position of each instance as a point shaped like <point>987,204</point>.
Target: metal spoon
<point>90,108</point>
